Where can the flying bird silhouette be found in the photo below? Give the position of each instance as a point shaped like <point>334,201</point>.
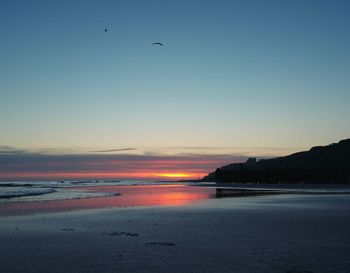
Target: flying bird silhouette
<point>157,43</point>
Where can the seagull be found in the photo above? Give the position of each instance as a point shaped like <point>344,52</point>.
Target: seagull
<point>157,43</point>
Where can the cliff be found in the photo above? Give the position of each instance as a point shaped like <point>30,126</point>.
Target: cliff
<point>331,158</point>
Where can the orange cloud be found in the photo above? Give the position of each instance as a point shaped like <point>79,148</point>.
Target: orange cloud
<point>101,175</point>
<point>112,167</point>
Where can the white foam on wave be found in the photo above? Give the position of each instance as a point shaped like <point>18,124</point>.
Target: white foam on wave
<point>29,191</point>
<point>11,192</point>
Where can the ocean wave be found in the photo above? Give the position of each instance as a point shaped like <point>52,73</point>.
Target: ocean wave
<point>12,192</point>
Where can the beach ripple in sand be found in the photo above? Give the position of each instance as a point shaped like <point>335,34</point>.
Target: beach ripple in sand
<point>299,271</point>
<point>123,233</point>
<point>160,244</point>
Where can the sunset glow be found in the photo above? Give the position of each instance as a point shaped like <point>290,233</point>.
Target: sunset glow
<point>101,175</point>
<point>107,167</point>
<point>176,175</point>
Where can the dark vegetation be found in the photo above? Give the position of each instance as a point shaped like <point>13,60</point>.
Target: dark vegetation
<point>320,165</point>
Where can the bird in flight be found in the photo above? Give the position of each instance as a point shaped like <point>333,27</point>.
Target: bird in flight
<point>157,43</point>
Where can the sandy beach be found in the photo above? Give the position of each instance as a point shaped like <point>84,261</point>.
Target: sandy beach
<point>274,233</point>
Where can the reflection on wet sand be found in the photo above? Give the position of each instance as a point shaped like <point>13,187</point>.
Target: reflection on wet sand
<point>150,195</point>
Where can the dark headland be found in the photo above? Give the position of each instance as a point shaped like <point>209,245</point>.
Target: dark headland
<point>320,165</point>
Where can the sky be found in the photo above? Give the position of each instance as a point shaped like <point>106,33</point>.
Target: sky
<point>234,79</point>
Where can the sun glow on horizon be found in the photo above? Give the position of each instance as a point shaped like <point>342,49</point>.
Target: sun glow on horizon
<point>101,175</point>
<point>176,175</point>
<point>91,167</point>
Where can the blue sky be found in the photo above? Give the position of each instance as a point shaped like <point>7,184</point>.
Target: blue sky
<point>236,74</point>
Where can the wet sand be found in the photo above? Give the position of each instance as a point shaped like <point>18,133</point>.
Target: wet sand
<point>117,197</point>
<point>273,233</point>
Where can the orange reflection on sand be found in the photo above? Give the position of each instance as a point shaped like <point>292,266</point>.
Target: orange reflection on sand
<point>131,196</point>
<point>152,195</point>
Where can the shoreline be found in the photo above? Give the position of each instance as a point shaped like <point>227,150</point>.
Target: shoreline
<point>120,196</point>
<point>117,196</point>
